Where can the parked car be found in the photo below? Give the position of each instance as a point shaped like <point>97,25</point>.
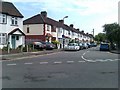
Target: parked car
<point>81,46</point>
<point>89,45</point>
<point>93,44</point>
<point>104,47</point>
<point>49,46</point>
<point>85,46</point>
<point>72,46</point>
<point>38,45</point>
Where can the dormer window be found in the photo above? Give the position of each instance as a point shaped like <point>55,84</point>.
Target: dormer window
<point>14,21</point>
<point>3,18</point>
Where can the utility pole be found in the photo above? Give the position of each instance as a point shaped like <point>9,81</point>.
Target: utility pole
<point>93,34</point>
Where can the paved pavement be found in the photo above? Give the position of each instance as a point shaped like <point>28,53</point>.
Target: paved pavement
<point>88,68</point>
<point>27,54</point>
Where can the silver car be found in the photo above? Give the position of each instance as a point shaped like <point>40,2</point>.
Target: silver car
<point>72,46</point>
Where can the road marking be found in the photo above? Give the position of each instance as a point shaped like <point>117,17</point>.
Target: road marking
<point>84,54</point>
<point>109,59</point>
<point>11,64</point>
<point>57,62</point>
<point>43,62</point>
<point>28,63</point>
<point>88,51</point>
<point>117,59</point>
<point>70,61</point>
<point>81,61</point>
<point>92,61</point>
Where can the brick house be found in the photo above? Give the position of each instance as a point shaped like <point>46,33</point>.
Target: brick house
<point>42,28</point>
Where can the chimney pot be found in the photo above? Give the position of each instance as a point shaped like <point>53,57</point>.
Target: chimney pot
<point>44,13</point>
<point>61,21</point>
<point>71,25</point>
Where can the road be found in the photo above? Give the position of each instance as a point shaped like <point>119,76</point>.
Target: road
<point>88,68</point>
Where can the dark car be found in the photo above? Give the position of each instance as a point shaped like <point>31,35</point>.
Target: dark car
<point>49,46</point>
<point>38,45</point>
<point>104,47</point>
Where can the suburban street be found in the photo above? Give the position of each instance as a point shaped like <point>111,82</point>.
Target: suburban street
<point>87,68</point>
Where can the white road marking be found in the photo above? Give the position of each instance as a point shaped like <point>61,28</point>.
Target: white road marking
<point>11,64</point>
<point>117,59</point>
<point>28,63</point>
<point>70,61</point>
<point>84,54</point>
<point>109,59</point>
<point>91,61</point>
<point>81,61</point>
<point>43,62</point>
<point>88,51</point>
<point>57,62</point>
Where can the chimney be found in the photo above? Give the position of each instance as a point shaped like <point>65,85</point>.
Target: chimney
<point>71,25</point>
<point>61,21</point>
<point>82,31</point>
<point>44,14</point>
<point>78,29</point>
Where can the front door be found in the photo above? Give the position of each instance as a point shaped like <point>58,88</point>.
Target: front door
<point>13,41</point>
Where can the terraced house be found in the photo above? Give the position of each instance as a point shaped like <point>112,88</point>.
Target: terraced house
<point>11,23</point>
<point>42,28</point>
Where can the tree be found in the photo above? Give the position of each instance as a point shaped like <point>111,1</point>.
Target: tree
<point>112,33</point>
<point>101,37</point>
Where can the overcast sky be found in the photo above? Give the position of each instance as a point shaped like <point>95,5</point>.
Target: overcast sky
<point>84,14</point>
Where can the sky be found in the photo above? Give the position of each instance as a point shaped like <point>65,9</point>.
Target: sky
<point>84,14</point>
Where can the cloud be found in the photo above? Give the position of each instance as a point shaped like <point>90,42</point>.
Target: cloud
<point>95,13</point>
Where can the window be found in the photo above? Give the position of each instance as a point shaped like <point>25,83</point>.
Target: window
<point>17,37</point>
<point>53,28</point>
<point>68,32</point>
<point>3,37</point>
<point>14,21</point>
<point>3,19</point>
<point>48,27</point>
<point>60,30</point>
<point>28,31</point>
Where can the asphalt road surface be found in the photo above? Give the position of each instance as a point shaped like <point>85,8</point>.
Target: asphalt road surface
<point>88,68</point>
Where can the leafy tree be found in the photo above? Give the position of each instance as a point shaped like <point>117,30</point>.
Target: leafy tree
<point>112,33</point>
<point>101,37</point>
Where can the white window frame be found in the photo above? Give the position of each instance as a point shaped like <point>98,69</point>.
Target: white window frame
<point>3,18</point>
<point>3,38</point>
<point>14,21</point>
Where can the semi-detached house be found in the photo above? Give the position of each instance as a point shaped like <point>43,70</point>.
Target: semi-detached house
<point>42,28</point>
<point>11,26</point>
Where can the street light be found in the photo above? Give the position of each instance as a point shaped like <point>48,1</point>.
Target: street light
<point>65,17</point>
<point>64,33</point>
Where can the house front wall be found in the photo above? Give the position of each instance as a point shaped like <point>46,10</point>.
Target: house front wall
<point>34,29</point>
<point>14,43</point>
<point>8,27</point>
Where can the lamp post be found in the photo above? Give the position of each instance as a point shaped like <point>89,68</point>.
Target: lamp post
<point>93,35</point>
<point>63,36</point>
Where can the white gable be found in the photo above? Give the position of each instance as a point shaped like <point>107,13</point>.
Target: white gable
<point>17,32</point>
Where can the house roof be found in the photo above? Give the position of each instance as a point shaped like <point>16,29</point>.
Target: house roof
<point>9,9</point>
<point>17,29</point>
<point>39,19</point>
